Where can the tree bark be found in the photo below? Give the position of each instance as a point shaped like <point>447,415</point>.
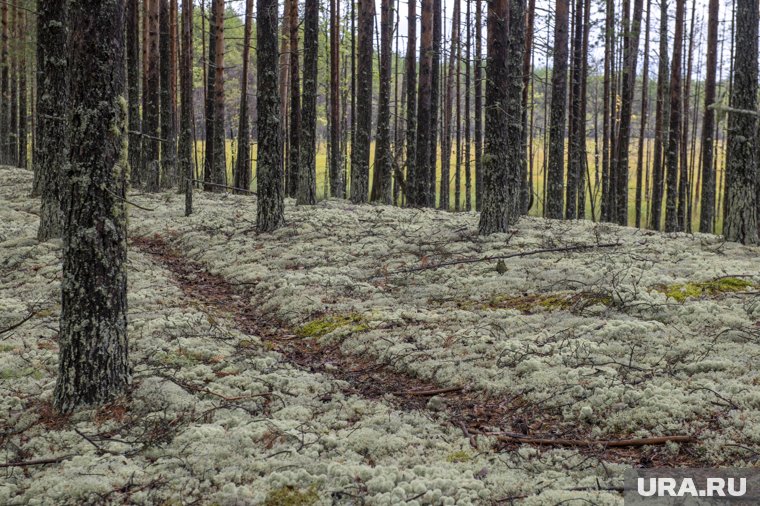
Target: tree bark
<point>707,210</point>
<point>307,172</point>
<point>337,185</point>
<point>93,360</point>
<point>411,96</point>
<point>294,145</point>
<point>740,219</point>
<point>187,110</point>
<point>556,174</point>
<point>419,194</point>
<point>133,91</point>
<point>151,111</point>
<point>168,132</point>
<point>23,117</point>
<point>447,110</point>
<point>660,120</point>
<point>270,206</point>
<point>51,153</point>
<point>478,78</point>
<point>363,127</point>
<point>671,218</point>
<point>381,182</point>
<point>243,167</point>
<point>643,121</point>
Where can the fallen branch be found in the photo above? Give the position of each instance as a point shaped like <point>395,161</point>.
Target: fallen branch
<point>435,391</point>
<point>610,443</point>
<point>17,325</point>
<point>39,462</point>
<point>217,185</point>
<point>579,247</point>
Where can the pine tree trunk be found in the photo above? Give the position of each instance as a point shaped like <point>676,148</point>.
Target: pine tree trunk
<point>220,147</point>
<point>467,147</point>
<point>556,174</point>
<point>419,194</point>
<point>503,158</point>
<point>707,211</point>
<point>168,133</point>
<point>307,172</point>
<point>151,111</point>
<point>671,218</point>
<point>607,110</point>
<point>643,121</point>
<point>337,185</point>
<point>478,78</point>
<point>294,145</point>
<point>93,361</point>
<point>447,111</point>
<point>435,101</point>
<point>133,89</point>
<point>363,127</point>
<point>526,183</point>
<point>269,175</point>
<point>575,161</point>
<point>411,100</point>
<point>23,117</point>
<point>660,120</point>
<point>187,110</point>
<point>243,166</point>
<point>381,182</point>
<point>740,220</point>
<point>51,154</point>
<point>5,89</point>
<point>14,48</point>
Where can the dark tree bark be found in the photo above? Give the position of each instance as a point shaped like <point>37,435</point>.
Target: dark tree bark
<point>622,146</point>
<point>643,121</point>
<point>337,185</point>
<point>51,147</point>
<point>93,361</point>
<point>575,152</point>
<point>411,96</point>
<point>418,193</point>
<point>294,144</point>
<point>478,78</point>
<point>671,218</point>
<point>307,172</point>
<point>381,182</point>
<point>447,110</point>
<point>270,206</point>
<point>219,170</point>
<point>133,91</point>
<point>187,117</point>
<point>526,183</point>
<point>363,126</point>
<point>23,117</point>
<point>13,62</point>
<point>152,106</point>
<point>660,120</point>
<point>503,158</point>
<point>243,167</point>
<point>435,100</point>
<point>5,88</point>
<point>607,114</point>
<point>707,211</point>
<point>467,91</point>
<point>556,167</point>
<point>740,220</point>
<point>168,133</point>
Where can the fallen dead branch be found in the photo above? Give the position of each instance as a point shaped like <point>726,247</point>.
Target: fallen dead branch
<point>660,440</point>
<point>432,392</point>
<point>38,462</point>
<point>565,249</point>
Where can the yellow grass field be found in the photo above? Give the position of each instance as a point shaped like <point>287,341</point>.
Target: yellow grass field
<point>538,177</point>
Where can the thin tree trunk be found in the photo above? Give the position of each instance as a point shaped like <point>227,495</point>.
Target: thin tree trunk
<point>168,133</point>
<point>556,181</point>
<point>337,184</point>
<point>187,113</point>
<point>526,182</point>
<point>93,361</point>
<point>661,119</point>
<point>435,100</point>
<point>418,194</point>
<point>467,91</point>
<point>133,92</point>
<point>307,172</point>
<point>151,111</point>
<point>707,210</point>
<point>671,218</point>
<point>411,100</point>
<point>478,77</point>
<point>294,138</point>
<point>447,110</point>
<point>643,120</point>
<point>243,166</point>
<point>23,117</point>
<point>360,149</point>
<point>381,182</point>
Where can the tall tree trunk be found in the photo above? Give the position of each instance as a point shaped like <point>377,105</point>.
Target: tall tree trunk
<point>337,185</point>
<point>467,163</point>
<point>381,182</point>
<point>294,145</point>
<point>418,195</point>
<point>23,117</point>
<point>411,100</point>
<point>643,121</point>
<point>220,148</point>
<point>526,183</point>
<point>93,361</point>
<point>435,100</point>
<point>307,172</point>
<point>363,127</point>
<point>5,88</point>
<point>243,167</point>
<point>447,110</point>
<point>671,218</point>
<point>607,109</point>
<point>284,80</point>
<point>660,120</point>
<point>740,220</point>
<point>14,48</point>
<point>133,92</point>
<point>684,183</point>
<point>558,108</point>
<point>187,112</point>
<point>478,77</point>
<point>503,160</point>
<point>707,211</point>
<point>51,153</point>
<point>151,111</point>
<point>575,154</point>
<point>168,133</point>
<point>270,202</point>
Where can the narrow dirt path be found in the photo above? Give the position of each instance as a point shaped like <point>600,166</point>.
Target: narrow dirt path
<point>510,419</point>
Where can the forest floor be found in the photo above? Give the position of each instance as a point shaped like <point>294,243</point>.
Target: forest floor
<point>370,354</point>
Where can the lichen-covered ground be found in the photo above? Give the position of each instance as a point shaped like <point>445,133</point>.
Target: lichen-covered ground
<point>650,335</point>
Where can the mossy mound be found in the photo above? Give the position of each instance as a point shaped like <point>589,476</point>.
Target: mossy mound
<point>289,496</point>
<point>681,292</point>
<point>326,324</point>
<point>561,301</point>
<point>458,456</point>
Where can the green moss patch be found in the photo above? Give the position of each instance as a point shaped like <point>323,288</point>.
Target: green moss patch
<point>681,292</point>
<point>561,301</point>
<point>458,456</point>
<point>326,324</point>
<point>289,496</point>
